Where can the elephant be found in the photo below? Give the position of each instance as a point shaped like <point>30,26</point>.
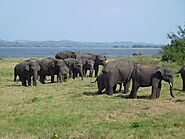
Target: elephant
<point>117,71</point>
<point>62,70</point>
<point>26,70</point>
<point>98,60</point>
<point>75,66</point>
<point>151,75</point>
<point>65,54</point>
<point>87,65</point>
<point>136,54</point>
<point>182,73</point>
<point>101,83</point>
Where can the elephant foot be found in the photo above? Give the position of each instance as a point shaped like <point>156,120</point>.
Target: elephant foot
<point>152,97</point>
<point>110,94</point>
<point>99,93</point>
<point>132,97</point>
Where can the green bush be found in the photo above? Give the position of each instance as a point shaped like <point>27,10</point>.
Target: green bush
<point>175,51</point>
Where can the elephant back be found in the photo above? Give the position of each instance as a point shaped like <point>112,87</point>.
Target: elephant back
<point>65,54</point>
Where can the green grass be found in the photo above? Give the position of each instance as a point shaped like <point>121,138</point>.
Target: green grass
<point>73,110</point>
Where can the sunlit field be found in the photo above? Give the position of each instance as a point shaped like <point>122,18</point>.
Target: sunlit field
<point>73,109</point>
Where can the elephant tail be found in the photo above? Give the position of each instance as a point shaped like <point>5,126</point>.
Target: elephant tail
<point>94,81</point>
<point>177,72</point>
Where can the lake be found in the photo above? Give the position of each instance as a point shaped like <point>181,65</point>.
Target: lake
<point>51,51</point>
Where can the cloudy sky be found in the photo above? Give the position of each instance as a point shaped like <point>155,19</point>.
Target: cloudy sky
<point>91,20</point>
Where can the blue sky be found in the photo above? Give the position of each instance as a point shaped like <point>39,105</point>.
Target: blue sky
<point>91,20</point>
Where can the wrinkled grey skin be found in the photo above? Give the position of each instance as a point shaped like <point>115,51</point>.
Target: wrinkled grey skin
<point>151,75</point>
<point>87,65</point>
<point>182,73</point>
<point>75,66</point>
<point>101,83</point>
<point>98,60</point>
<point>48,68</point>
<point>65,54</point>
<point>26,70</point>
<point>117,71</point>
<point>62,70</point>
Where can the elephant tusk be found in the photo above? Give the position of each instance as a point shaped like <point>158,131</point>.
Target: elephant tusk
<point>170,84</point>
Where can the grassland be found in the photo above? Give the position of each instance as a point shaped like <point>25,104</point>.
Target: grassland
<point>73,110</point>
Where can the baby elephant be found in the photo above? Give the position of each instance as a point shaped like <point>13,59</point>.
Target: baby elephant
<point>151,75</point>
<point>101,83</point>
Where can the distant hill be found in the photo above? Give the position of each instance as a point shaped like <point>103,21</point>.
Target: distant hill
<point>69,43</point>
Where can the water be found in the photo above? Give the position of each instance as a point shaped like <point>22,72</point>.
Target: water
<point>51,51</point>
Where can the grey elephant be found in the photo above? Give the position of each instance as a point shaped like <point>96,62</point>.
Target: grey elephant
<point>26,71</point>
<point>98,60</point>
<point>75,66</point>
<point>87,65</point>
<point>182,73</point>
<point>48,68</point>
<point>117,71</point>
<point>151,75</point>
<point>65,54</point>
<point>62,70</point>
<point>101,83</point>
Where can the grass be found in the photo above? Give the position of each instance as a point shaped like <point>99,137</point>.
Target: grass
<point>73,110</point>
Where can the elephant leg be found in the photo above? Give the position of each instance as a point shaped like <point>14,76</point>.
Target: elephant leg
<point>96,68</point>
<point>42,79</point>
<point>24,81</point>
<point>135,87</point>
<point>114,88</point>
<point>109,89</point>
<point>74,74</point>
<point>120,87</point>
<point>100,90</point>
<point>70,73</point>
<point>183,80</point>
<point>91,72</point>
<point>85,72</point>
<point>29,81</point>
<point>155,84</point>
<point>158,90</point>
<point>126,86</point>
<point>52,78</point>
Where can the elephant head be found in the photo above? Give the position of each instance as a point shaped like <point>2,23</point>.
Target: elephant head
<point>100,60</point>
<point>78,66</point>
<point>167,75</point>
<point>33,68</point>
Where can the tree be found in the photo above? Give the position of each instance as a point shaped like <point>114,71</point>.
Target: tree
<point>175,51</point>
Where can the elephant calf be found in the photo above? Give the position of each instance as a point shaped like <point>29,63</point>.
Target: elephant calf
<point>150,75</point>
<point>101,83</point>
<point>87,65</point>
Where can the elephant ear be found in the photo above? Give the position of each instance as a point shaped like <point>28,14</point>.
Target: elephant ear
<point>161,71</point>
<point>27,67</point>
<point>52,64</point>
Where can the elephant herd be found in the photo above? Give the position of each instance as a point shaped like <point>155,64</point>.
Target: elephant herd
<point>114,72</point>
<point>65,63</point>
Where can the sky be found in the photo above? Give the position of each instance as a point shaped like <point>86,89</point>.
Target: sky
<point>91,20</point>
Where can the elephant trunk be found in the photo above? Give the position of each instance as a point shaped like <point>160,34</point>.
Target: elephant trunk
<point>60,77</point>
<point>171,87</point>
<point>35,77</point>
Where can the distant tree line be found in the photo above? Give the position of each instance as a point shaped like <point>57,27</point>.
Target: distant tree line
<point>175,51</point>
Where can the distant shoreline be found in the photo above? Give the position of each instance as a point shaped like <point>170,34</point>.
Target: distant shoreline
<point>90,47</point>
